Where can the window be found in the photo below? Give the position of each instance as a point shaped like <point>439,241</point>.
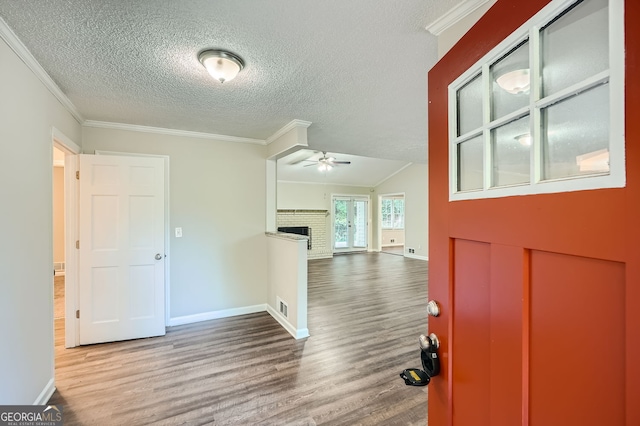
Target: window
<point>544,111</point>
<point>392,213</point>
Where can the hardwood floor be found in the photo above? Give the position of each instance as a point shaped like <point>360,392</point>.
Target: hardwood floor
<point>366,312</point>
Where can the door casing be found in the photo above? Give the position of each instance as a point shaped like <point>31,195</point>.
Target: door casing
<point>366,198</point>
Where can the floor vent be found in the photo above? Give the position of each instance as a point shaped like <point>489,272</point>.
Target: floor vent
<point>283,308</point>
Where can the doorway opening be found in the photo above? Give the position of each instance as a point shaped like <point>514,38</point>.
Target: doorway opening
<point>391,224</point>
<point>65,260</point>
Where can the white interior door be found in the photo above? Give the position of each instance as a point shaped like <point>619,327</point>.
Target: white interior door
<point>121,253</point>
<point>350,219</point>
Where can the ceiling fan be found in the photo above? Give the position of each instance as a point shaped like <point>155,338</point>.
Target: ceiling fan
<point>325,163</point>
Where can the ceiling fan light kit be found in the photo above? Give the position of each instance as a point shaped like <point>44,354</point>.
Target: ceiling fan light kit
<point>221,64</point>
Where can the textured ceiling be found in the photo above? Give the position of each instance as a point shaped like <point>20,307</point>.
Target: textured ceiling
<point>356,69</point>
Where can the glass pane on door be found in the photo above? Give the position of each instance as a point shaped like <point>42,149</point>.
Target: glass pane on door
<point>359,224</point>
<point>341,224</point>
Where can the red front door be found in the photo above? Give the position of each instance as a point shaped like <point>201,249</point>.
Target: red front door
<point>540,294</point>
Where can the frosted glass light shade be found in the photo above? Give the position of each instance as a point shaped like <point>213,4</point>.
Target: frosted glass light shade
<point>222,65</point>
<point>324,167</point>
<point>515,82</point>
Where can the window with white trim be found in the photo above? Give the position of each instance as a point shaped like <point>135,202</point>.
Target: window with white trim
<point>543,111</point>
<point>392,212</point>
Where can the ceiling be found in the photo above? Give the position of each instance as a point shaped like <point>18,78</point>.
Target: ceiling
<point>302,167</point>
<point>357,70</point>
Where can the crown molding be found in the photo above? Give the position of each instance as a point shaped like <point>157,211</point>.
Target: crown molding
<point>291,125</point>
<point>171,132</point>
<point>23,53</point>
<point>454,16</point>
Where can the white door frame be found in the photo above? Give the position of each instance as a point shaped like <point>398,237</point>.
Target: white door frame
<point>167,230</point>
<point>70,149</point>
<point>333,230</point>
<point>379,224</point>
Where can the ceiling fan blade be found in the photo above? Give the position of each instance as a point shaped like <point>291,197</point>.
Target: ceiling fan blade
<point>341,162</point>
<point>301,156</point>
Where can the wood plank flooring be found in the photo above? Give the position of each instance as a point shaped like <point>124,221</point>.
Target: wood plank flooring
<point>366,312</point>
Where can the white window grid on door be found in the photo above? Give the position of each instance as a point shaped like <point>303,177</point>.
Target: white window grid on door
<point>530,34</point>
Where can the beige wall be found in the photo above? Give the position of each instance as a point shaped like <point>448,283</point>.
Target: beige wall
<point>217,195</point>
<point>28,112</point>
<point>392,237</point>
<point>413,182</point>
<point>306,196</point>
<point>313,196</point>
<point>58,214</point>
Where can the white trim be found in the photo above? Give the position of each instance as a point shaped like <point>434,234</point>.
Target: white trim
<point>171,132</point>
<point>23,53</point>
<point>70,149</point>
<point>454,16</point>
<point>289,126</point>
<point>415,256</point>
<point>296,333</point>
<point>351,198</point>
<point>65,141</point>
<point>46,393</point>
<point>207,316</point>
<point>615,76</point>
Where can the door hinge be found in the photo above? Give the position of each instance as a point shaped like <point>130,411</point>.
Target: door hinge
<point>78,314</point>
<point>77,174</point>
<point>77,244</point>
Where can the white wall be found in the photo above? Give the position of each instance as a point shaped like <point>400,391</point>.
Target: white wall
<point>413,182</point>
<point>28,111</point>
<point>217,196</point>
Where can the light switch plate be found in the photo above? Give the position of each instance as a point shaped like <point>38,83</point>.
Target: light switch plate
<point>178,232</point>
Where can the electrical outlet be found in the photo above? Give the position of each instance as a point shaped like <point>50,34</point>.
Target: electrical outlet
<point>411,250</point>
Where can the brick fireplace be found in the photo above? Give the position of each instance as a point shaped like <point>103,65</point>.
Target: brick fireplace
<point>319,223</point>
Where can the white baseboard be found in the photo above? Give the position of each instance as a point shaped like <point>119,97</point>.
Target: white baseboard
<point>296,333</point>
<point>415,256</point>
<point>206,316</point>
<point>321,256</point>
<point>46,393</point>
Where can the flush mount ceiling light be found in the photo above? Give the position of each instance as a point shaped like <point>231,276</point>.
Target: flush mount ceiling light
<point>222,65</point>
<point>524,140</point>
<point>515,82</point>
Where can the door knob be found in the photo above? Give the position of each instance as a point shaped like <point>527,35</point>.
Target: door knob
<point>433,308</point>
<point>158,256</point>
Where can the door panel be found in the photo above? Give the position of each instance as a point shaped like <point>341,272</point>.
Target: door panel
<point>471,333</point>
<point>577,340</point>
<point>121,282</point>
